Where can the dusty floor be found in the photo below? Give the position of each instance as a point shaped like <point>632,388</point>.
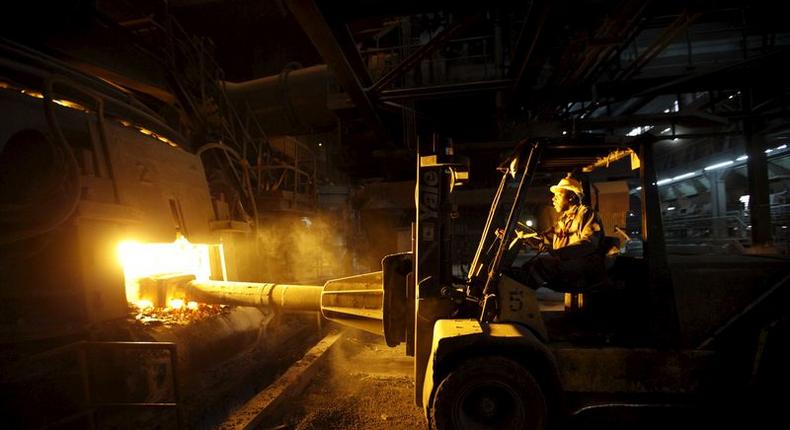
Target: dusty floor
<point>215,392</point>
<point>363,385</point>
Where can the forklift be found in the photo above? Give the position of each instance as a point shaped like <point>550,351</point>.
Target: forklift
<point>641,342</point>
<point>488,354</point>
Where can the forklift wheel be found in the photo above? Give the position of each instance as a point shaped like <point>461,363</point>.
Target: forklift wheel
<point>488,393</point>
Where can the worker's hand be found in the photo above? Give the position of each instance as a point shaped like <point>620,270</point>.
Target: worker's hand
<point>521,234</point>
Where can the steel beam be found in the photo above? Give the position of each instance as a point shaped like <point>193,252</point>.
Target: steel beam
<point>680,24</point>
<point>445,90</point>
<point>528,40</point>
<point>349,47</point>
<point>688,119</point>
<point>765,68</point>
<point>423,51</point>
<point>615,31</point>
<point>320,33</point>
<point>625,26</point>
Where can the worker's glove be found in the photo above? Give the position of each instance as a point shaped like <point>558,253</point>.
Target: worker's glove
<point>521,234</point>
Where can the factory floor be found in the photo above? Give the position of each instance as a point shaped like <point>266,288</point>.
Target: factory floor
<point>364,384</point>
<point>218,390</point>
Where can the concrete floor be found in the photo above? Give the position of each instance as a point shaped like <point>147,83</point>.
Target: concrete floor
<point>363,385</point>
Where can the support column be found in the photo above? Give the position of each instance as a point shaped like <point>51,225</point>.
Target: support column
<point>664,323</point>
<point>757,168</point>
<point>718,202</point>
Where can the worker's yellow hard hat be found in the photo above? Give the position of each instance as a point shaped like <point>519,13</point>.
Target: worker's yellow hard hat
<point>568,183</point>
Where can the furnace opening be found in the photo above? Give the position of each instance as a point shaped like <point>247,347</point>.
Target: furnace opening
<point>142,260</point>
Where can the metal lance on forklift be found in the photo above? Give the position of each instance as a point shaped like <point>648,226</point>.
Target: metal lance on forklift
<point>366,301</point>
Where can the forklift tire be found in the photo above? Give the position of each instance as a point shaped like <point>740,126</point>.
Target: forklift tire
<point>488,393</point>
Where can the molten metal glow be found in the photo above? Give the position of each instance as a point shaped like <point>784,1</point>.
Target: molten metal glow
<point>176,303</point>
<point>144,304</point>
<point>140,260</point>
<point>192,306</point>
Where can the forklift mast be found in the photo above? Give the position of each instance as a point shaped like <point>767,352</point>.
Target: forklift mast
<point>439,172</point>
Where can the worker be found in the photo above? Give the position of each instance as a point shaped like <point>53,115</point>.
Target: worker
<point>575,257</point>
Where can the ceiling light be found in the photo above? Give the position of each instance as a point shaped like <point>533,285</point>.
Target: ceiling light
<point>684,176</point>
<point>719,165</point>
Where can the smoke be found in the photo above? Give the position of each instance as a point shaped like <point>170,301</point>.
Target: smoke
<point>303,249</point>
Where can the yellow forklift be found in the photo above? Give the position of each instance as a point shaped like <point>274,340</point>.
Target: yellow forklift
<point>642,342</point>
<point>638,342</point>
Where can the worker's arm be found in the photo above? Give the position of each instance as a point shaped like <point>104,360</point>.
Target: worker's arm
<point>536,241</point>
<point>530,238</point>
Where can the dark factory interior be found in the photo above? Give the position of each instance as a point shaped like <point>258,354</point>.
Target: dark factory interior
<point>372,214</point>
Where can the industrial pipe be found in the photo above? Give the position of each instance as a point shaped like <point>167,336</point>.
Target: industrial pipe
<point>295,99</point>
<point>279,296</point>
<point>355,301</point>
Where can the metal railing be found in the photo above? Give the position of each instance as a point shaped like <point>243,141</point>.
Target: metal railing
<point>91,405</point>
<point>734,225</point>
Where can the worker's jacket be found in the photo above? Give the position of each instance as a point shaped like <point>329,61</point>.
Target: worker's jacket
<point>576,234</point>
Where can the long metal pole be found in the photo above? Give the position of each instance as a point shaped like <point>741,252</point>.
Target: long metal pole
<point>281,296</point>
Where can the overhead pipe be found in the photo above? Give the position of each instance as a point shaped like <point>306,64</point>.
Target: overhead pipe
<point>294,100</point>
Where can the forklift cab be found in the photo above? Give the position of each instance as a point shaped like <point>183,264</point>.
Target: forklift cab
<point>604,273</point>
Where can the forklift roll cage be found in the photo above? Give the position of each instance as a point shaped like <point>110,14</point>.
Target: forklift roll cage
<point>521,166</point>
